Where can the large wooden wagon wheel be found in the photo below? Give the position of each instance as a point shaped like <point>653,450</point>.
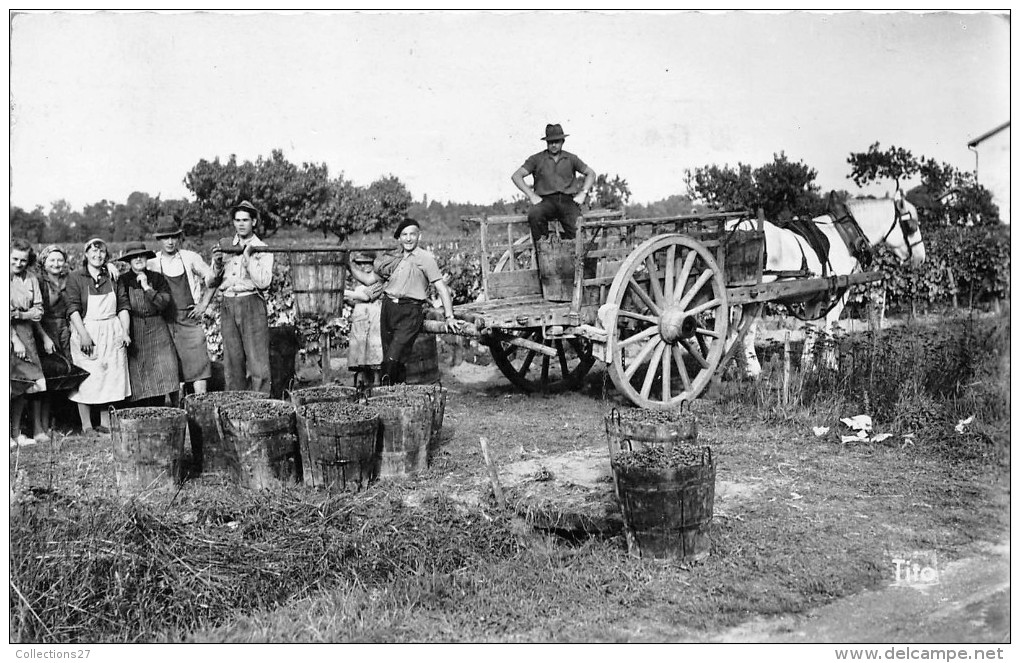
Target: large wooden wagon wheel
<point>536,372</point>
<point>667,322</point>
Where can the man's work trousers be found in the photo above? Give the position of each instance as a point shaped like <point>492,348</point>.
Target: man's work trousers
<point>245,329</point>
<point>554,207</point>
<point>399,324</point>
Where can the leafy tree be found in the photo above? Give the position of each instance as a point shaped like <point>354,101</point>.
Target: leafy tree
<point>29,226</point>
<point>780,188</point>
<point>894,163</point>
<point>610,194</point>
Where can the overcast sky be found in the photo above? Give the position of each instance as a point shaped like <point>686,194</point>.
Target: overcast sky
<point>452,103</point>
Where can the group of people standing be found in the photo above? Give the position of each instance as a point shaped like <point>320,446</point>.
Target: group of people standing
<point>139,335</point>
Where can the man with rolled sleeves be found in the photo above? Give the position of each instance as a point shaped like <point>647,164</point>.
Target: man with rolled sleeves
<point>244,323</point>
<point>556,195</point>
<point>405,295</point>
<point>192,286</point>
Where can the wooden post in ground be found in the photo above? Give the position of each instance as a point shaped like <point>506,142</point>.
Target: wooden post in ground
<point>497,488</point>
<point>786,370</point>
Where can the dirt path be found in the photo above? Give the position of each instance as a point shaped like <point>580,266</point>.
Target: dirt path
<point>970,604</point>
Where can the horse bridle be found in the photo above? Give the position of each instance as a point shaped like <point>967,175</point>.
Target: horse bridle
<point>908,226</point>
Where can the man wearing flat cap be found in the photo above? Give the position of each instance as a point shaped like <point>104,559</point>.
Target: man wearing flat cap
<point>244,320</point>
<point>192,285</point>
<point>405,295</point>
<point>556,194</point>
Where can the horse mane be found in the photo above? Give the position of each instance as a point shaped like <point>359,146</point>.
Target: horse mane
<point>871,212</point>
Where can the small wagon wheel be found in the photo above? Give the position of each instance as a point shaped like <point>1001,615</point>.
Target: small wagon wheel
<point>667,322</point>
<point>534,371</point>
<point>524,248</point>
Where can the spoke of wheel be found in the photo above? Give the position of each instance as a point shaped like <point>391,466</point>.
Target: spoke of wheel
<point>562,354</point>
<point>640,336</point>
<point>683,368</point>
<point>702,307</point>
<point>706,332</point>
<point>653,279</point>
<point>639,316</point>
<point>694,352</point>
<point>643,296</point>
<point>702,345</point>
<point>685,272</point>
<point>667,281</point>
<point>526,364</point>
<point>666,377</point>
<point>653,369</point>
<point>645,351</point>
<point>698,285</point>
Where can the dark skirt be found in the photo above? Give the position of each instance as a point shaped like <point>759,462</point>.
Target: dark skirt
<point>26,374</point>
<point>152,360</point>
<point>59,331</point>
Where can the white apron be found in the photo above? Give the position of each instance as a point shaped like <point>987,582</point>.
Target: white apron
<point>108,380</point>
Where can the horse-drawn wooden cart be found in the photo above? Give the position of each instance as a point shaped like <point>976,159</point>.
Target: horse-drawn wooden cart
<point>651,297</point>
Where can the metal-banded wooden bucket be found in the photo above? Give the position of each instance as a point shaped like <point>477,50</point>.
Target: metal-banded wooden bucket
<point>437,395</point>
<point>148,446</point>
<point>317,280</point>
<point>323,393</point>
<point>209,454</point>
<point>667,510</point>
<point>264,432</point>
<point>556,268</point>
<point>339,444</point>
<point>405,426</point>
<point>637,429</point>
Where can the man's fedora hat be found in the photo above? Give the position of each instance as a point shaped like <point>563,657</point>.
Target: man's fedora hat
<point>167,226</point>
<point>245,206</point>
<point>404,224</point>
<point>135,250</point>
<point>554,132</point>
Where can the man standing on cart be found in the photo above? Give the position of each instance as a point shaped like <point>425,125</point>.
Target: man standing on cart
<point>556,195</point>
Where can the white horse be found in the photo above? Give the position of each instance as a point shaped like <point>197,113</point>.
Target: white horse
<point>886,221</point>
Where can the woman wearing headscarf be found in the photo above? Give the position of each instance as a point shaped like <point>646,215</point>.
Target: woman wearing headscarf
<point>53,281</point>
<point>152,360</point>
<point>99,312</point>
<point>26,366</point>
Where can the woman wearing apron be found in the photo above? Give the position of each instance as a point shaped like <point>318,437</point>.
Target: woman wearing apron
<point>364,349</point>
<point>152,360</point>
<point>26,367</point>
<point>99,312</point>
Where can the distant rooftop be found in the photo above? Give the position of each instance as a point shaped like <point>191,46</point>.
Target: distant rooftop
<point>988,134</point>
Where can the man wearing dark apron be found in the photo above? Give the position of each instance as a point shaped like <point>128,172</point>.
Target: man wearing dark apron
<point>191,283</point>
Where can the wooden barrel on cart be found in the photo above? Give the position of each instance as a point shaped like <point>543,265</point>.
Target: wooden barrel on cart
<point>317,279</point>
<point>339,444</point>
<point>405,426</point>
<point>148,446</point>
<point>264,432</point>
<point>556,268</point>
<point>667,495</point>
<point>636,429</point>
<point>210,456</point>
